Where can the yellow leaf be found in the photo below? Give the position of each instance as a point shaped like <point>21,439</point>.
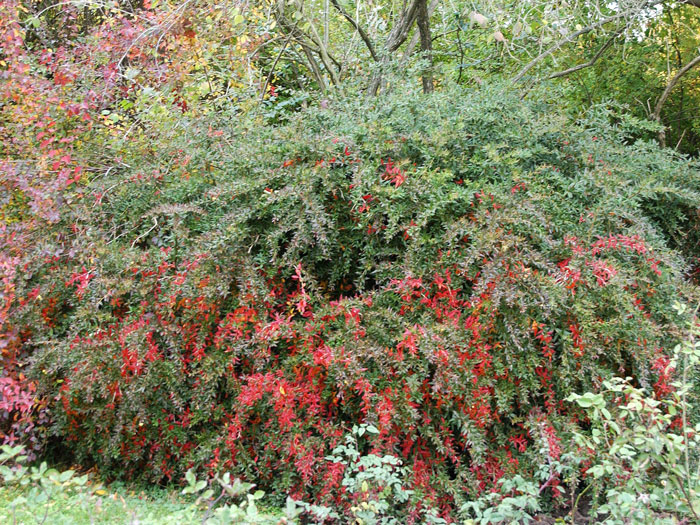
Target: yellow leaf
<point>101,492</point>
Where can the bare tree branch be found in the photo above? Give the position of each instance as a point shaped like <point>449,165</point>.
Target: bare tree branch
<point>569,38</point>
<point>312,65</point>
<point>304,41</point>
<point>590,63</point>
<point>274,65</point>
<point>363,35</point>
<point>323,53</point>
<point>315,69</point>
<point>669,87</point>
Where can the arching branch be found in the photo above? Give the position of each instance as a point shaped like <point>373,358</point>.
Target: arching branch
<point>669,87</point>
<point>274,65</point>
<point>308,43</point>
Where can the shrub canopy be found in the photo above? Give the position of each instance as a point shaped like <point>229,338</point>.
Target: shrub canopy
<point>447,268</point>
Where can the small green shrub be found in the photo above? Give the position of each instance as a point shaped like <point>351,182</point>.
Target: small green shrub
<point>220,510</point>
<point>40,484</point>
<point>41,495</point>
<point>374,488</point>
<point>515,502</point>
<point>645,459</point>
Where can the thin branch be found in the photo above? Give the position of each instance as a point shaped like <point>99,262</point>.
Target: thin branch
<point>437,37</point>
<point>570,38</point>
<point>323,53</point>
<point>155,225</point>
<point>314,38</point>
<point>315,69</point>
<point>590,63</point>
<point>363,35</point>
<point>681,139</point>
<point>461,51</point>
<point>265,43</point>
<point>46,508</point>
<point>305,47</point>
<point>274,64</point>
<point>325,24</point>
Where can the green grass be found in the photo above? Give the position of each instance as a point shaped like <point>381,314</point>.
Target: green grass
<point>41,495</point>
<point>116,504</point>
<point>97,505</point>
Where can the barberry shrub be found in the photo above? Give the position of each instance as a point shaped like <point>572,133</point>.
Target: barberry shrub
<point>445,268</point>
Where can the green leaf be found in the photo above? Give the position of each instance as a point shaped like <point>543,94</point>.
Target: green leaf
<point>81,481</point>
<point>199,485</point>
<point>65,476</point>
<point>190,477</point>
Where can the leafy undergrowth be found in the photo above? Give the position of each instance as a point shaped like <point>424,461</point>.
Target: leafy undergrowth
<point>36,494</point>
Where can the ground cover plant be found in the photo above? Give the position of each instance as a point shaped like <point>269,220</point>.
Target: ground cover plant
<point>399,307</point>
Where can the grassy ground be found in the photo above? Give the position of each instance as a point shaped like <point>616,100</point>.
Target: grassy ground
<point>112,505</point>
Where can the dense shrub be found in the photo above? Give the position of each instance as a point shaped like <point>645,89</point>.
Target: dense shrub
<point>446,268</point>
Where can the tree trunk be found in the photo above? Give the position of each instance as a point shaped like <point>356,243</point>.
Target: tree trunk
<point>426,44</point>
<point>397,36</point>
